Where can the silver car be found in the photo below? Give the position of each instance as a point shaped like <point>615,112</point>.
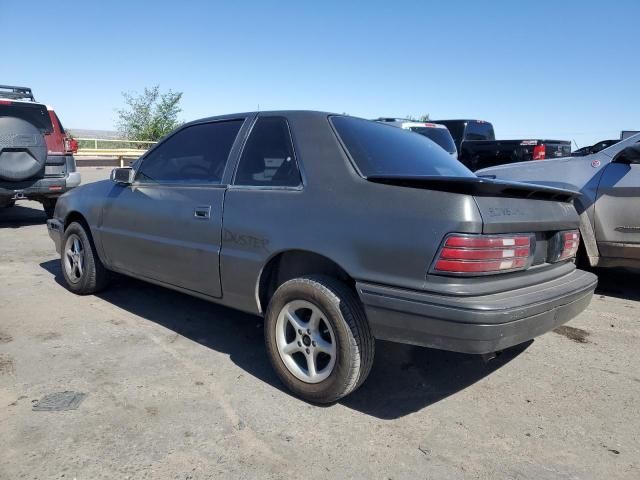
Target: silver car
<point>609,183</point>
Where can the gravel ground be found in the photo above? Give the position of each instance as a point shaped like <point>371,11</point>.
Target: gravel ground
<point>179,388</point>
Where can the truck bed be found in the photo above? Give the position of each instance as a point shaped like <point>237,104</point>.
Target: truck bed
<point>477,154</point>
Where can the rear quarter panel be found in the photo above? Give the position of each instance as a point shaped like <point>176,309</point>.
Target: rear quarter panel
<point>376,233</point>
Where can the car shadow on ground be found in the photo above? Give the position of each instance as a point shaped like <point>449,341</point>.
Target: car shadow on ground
<point>618,282</point>
<point>404,379</point>
<point>21,216</point>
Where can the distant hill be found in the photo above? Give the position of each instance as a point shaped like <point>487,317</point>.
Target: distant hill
<point>85,133</point>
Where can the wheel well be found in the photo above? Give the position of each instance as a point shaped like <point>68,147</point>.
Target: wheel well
<point>292,264</point>
<point>76,217</point>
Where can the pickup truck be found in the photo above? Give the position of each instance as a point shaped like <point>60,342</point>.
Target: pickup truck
<point>478,148</point>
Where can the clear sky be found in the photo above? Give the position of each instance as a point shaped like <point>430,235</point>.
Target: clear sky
<point>553,69</point>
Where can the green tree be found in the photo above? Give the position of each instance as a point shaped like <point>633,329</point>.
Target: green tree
<point>421,118</point>
<point>150,115</point>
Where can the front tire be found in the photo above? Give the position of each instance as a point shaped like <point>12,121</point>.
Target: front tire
<point>83,271</point>
<point>318,339</point>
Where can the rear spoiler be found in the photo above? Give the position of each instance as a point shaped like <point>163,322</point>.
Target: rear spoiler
<point>477,186</point>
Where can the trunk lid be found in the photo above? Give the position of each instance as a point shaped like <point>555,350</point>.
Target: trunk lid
<point>507,207</point>
<point>514,215</point>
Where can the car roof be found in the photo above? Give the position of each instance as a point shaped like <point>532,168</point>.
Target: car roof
<point>461,120</point>
<point>403,123</point>
<point>25,102</point>
<point>282,113</point>
<point>423,124</point>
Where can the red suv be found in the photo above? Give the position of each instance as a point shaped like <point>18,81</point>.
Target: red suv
<point>36,154</point>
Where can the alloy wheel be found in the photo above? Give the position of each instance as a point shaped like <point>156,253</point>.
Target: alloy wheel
<point>306,341</point>
<point>74,258</point>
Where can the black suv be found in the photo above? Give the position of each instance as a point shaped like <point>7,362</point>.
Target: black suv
<point>36,160</point>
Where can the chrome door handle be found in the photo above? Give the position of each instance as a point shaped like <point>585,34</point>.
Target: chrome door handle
<point>202,213</point>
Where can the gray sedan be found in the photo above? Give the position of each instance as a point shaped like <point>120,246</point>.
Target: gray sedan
<point>609,200</point>
<point>337,230</point>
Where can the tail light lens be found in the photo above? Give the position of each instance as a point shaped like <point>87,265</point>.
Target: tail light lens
<point>464,254</point>
<point>70,145</point>
<point>567,244</point>
<point>539,152</point>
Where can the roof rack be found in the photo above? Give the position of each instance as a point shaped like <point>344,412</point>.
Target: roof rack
<point>16,93</point>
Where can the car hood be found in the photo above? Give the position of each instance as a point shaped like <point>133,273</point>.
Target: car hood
<point>101,187</point>
<point>86,199</point>
<point>570,173</point>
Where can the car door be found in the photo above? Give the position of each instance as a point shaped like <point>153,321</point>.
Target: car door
<point>617,216</point>
<point>166,226</point>
<point>261,206</point>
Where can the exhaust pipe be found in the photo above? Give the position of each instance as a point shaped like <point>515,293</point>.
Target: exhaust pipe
<point>487,357</point>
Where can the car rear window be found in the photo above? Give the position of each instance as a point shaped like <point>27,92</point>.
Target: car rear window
<point>439,135</point>
<point>479,131</point>
<point>59,123</point>
<point>34,113</point>
<point>379,149</point>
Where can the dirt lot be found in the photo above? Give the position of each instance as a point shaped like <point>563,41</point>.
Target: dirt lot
<point>179,388</point>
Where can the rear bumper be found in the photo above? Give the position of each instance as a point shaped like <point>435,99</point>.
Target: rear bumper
<point>42,187</point>
<point>475,324</point>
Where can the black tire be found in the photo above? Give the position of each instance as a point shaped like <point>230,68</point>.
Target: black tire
<point>49,206</point>
<point>355,344</point>
<point>10,204</point>
<point>94,276</point>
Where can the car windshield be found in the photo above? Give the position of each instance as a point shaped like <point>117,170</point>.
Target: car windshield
<point>379,149</point>
<point>439,135</point>
<point>34,113</point>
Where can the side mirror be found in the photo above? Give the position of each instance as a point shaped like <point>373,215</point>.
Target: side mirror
<point>629,155</point>
<point>123,176</point>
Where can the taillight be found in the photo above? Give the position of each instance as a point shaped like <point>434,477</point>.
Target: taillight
<point>70,145</point>
<point>567,244</point>
<point>539,152</point>
<point>465,254</point>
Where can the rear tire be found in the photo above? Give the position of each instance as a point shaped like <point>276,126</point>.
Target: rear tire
<point>328,317</point>
<point>83,271</point>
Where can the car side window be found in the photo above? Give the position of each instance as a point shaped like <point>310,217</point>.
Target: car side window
<point>196,154</point>
<point>268,158</point>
